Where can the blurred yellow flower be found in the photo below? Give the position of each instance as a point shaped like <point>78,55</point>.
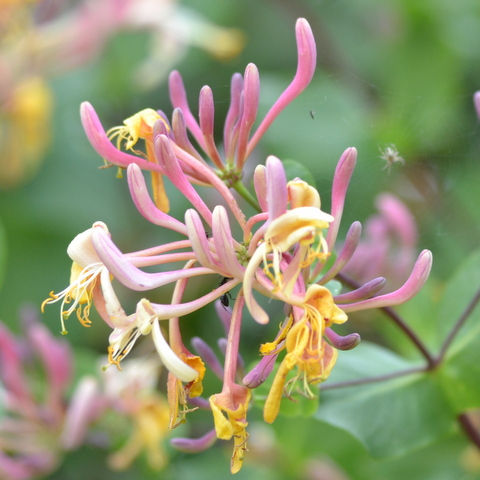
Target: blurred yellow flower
<point>25,130</point>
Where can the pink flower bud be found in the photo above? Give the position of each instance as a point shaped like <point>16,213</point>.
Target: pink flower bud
<point>408,290</point>
<point>365,291</point>
<point>342,343</point>
<point>341,179</point>
<point>260,372</point>
<point>307,59</point>
<point>206,114</point>
<point>194,445</point>
<point>251,94</point>
<point>178,97</point>
<point>230,129</point>
<point>208,356</point>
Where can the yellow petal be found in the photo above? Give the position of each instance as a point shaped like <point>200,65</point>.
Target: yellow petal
<point>223,427</point>
<point>301,194</point>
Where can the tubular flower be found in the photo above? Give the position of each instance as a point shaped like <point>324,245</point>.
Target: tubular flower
<point>140,126</point>
<point>282,252</point>
<point>38,425</point>
<point>230,407</point>
<point>234,424</point>
<point>303,339</point>
<point>300,227</point>
<point>132,394</point>
<point>86,270</point>
<point>237,138</point>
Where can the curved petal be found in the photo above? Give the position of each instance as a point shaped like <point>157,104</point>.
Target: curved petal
<point>222,237</point>
<point>307,59</point>
<point>100,142</point>
<point>341,179</point>
<point>409,289</point>
<point>145,205</point>
<point>200,243</point>
<point>132,277</point>
<point>173,364</point>
<point>178,97</point>
<point>277,195</point>
<point>167,159</point>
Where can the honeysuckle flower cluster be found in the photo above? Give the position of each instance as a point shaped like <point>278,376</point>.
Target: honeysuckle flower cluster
<point>37,427</point>
<point>132,395</point>
<point>285,252</point>
<point>40,422</point>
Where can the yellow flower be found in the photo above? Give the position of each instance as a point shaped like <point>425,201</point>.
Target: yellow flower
<point>233,403</point>
<point>86,270</point>
<point>150,428</point>
<point>306,348</point>
<point>301,194</point>
<point>140,126</point>
<point>301,226</point>
<point>27,129</point>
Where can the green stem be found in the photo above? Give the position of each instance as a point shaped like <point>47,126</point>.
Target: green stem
<point>458,325</point>
<point>469,429</point>
<point>368,380</point>
<point>241,190</point>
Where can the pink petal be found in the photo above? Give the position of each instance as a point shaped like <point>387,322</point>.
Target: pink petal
<point>132,277</point>
<point>165,312</point>
<point>206,117</point>
<point>145,205</point>
<point>167,159</point>
<point>236,89</point>
<point>260,185</point>
<point>408,290</point>
<point>224,243</point>
<point>178,97</point>
<point>277,194</point>
<point>476,102</point>
<point>348,249</point>
<point>195,445</point>
<point>307,59</point>
<point>365,291</point>
<point>181,137</point>
<point>83,408</point>
<point>251,94</point>
<point>11,370</point>
<point>260,372</point>
<point>347,342</point>
<point>341,179</point>
<point>56,357</point>
<point>100,142</point>
<point>208,356</point>
<point>398,217</point>
<point>200,243</point>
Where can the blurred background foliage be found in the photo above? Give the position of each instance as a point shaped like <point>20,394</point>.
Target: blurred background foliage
<point>398,72</point>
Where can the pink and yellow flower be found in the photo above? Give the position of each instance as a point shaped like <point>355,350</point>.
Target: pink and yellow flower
<point>280,253</point>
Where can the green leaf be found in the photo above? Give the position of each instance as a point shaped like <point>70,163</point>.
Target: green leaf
<point>390,417</point>
<point>460,376</point>
<point>461,369</point>
<point>457,295</point>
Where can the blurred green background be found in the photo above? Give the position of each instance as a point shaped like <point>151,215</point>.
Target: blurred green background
<point>399,72</point>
